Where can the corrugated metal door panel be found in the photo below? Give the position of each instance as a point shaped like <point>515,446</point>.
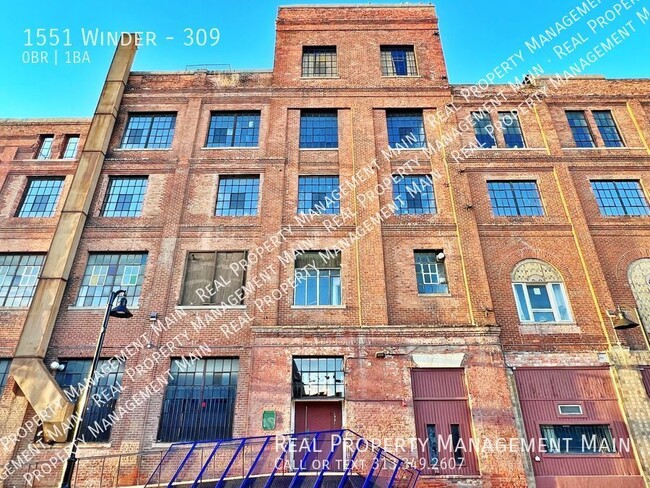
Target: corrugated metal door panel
<point>596,410</point>
<point>438,383</point>
<point>439,400</point>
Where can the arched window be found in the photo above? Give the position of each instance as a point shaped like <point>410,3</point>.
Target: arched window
<point>539,293</point>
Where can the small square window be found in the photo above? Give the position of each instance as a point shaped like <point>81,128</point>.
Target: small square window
<point>18,278</point>
<point>317,279</point>
<point>405,129</point>
<point>413,194</point>
<point>319,129</point>
<point>430,272</point>
<point>398,61</point>
<point>318,195</point>
<point>319,62</point>
<point>238,196</point>
<point>149,131</point>
<point>124,196</point>
<point>40,197</point>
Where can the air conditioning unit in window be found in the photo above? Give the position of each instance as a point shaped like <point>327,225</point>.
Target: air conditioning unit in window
<point>442,281</point>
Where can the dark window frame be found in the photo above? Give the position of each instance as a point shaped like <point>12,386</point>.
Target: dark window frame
<point>565,444</point>
<point>580,129</point>
<point>5,366</point>
<point>51,205</point>
<point>188,257</point>
<point>615,195</point>
<point>311,66</point>
<point>148,143</point>
<point>237,129</point>
<point>138,199</point>
<point>608,128</point>
<point>485,138</point>
<point>407,187</point>
<point>390,55</point>
<point>513,134</point>
<point>251,196</point>
<point>45,140</point>
<point>421,258</point>
<point>395,128</point>
<point>514,190</point>
<point>22,300</point>
<point>319,136</point>
<point>321,367</point>
<point>305,195</point>
<point>66,147</point>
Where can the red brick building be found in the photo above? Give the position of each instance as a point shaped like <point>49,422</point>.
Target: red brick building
<point>328,245</point>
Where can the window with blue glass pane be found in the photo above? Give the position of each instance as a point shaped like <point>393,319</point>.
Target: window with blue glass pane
<point>319,61</point>
<point>149,131</point>
<point>124,196</point>
<point>45,147</point>
<point>318,195</point>
<point>413,194</point>
<point>483,129</point>
<point>41,197</point>
<point>4,372</point>
<point>515,198</point>
<point>620,197</point>
<point>319,129</point>
<point>580,128</point>
<point>608,129</point>
<point>234,129</point>
<point>18,278</point>
<point>398,61</point>
<point>405,129</point>
<point>238,195</point>
<point>317,279</point>
<point>106,272</point>
<point>512,133</point>
<point>430,272</point>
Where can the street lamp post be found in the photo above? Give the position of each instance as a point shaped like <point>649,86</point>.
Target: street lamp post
<point>119,311</point>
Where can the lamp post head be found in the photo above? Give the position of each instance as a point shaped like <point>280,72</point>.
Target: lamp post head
<point>120,311</point>
<point>622,322</point>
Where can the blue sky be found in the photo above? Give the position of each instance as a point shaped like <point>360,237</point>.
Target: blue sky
<point>476,35</point>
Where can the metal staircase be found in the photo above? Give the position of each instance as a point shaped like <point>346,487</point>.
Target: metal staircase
<point>324,459</point>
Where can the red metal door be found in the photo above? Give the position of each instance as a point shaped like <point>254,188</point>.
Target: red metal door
<point>314,417</point>
<point>442,422</point>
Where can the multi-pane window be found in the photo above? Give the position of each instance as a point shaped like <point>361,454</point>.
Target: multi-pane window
<point>620,197</point>
<point>124,196</point>
<point>199,401</point>
<point>18,277</point>
<point>203,270</point>
<point>320,377</point>
<point>541,302</point>
<point>515,198</point>
<point>317,279</point>
<point>607,127</point>
<point>430,272</point>
<point>45,147</point>
<point>238,195</point>
<point>106,272</point>
<point>149,131</point>
<point>483,129</point>
<point>104,393</point>
<point>319,129</point>
<point>398,61</point>
<point>413,194</point>
<point>234,129</point>
<point>577,439</point>
<point>4,372</point>
<point>319,61</point>
<point>40,197</point>
<point>70,151</point>
<point>511,127</point>
<point>318,194</point>
<point>580,128</point>
<point>405,128</point>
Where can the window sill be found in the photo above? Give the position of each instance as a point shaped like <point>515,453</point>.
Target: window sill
<point>546,323</point>
<point>406,149</point>
<point>320,77</point>
<point>13,309</point>
<point>402,76</point>
<point>435,295</point>
<point>601,148</point>
<point>317,307</point>
<point>142,149</point>
<point>511,149</point>
<point>318,148</point>
<point>210,307</point>
<point>96,309</point>
<point>229,148</point>
<point>95,445</point>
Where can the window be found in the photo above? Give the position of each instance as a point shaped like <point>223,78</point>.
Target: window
<point>45,147</point>
<point>483,129</point>
<point>70,151</point>
<point>107,272</point>
<point>607,127</point>
<point>539,293</point>
<point>580,129</point>
<point>319,61</point>
<point>570,409</point>
<point>398,61</point>
<point>149,131</point>
<point>577,439</point>
<point>405,129</point>
<point>318,279</point>
<point>124,196</point>
<point>319,129</point>
<point>620,197</point>
<point>430,272</point>
<point>214,270</point>
<point>515,198</point>
<point>512,134</point>
<point>40,197</point>
<point>238,195</point>
<point>234,129</point>
<point>320,377</point>
<point>106,387</point>
<point>413,194</point>
<point>4,373</point>
<point>199,401</point>
<point>18,277</point>
<point>318,194</point>
<point>432,441</point>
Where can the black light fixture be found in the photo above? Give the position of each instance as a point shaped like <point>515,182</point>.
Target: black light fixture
<point>120,311</point>
<point>621,321</point>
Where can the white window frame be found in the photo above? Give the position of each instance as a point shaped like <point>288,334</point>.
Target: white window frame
<point>554,306</point>
<point>304,271</point>
<point>559,409</point>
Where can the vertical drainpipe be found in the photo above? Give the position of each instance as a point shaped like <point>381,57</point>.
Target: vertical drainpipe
<point>32,377</point>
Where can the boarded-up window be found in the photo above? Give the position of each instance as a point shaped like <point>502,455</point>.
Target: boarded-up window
<point>645,374</point>
<point>214,278</point>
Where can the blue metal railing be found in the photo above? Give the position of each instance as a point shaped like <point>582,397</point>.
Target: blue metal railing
<point>300,460</point>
